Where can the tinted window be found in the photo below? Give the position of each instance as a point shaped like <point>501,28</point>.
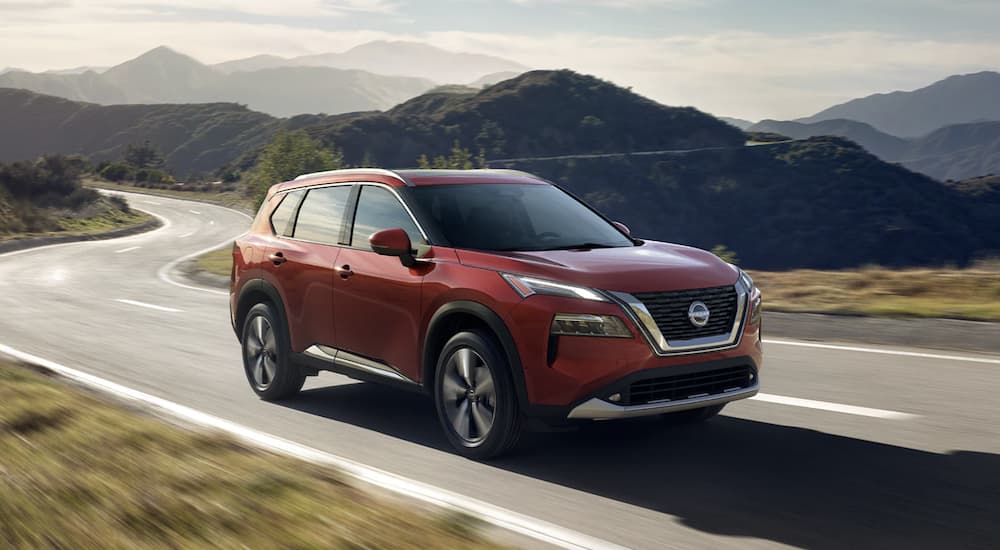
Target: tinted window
<point>379,209</point>
<point>282,215</point>
<point>515,217</point>
<point>322,214</point>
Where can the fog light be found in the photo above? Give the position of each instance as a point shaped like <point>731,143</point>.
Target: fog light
<point>616,397</point>
<point>576,324</point>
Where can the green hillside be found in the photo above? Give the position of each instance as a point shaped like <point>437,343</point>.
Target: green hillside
<point>193,138</point>
<point>538,113</point>
<point>822,203</point>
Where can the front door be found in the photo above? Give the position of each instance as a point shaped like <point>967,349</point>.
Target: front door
<point>377,298</point>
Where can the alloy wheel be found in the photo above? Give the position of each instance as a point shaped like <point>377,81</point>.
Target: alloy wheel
<point>469,395</point>
<point>261,352</point>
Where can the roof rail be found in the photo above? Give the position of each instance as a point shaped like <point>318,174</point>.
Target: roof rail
<point>358,171</point>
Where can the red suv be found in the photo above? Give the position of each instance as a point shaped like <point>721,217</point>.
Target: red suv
<point>501,295</point>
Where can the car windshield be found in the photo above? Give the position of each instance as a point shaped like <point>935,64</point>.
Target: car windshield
<point>515,217</point>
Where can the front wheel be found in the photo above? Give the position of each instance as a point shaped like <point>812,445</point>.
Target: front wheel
<point>475,396</point>
<point>269,370</point>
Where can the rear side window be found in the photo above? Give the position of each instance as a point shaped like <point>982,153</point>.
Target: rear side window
<point>322,214</point>
<point>379,209</point>
<point>282,216</point>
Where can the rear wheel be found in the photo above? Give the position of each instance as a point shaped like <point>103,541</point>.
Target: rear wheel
<point>265,356</point>
<point>475,396</point>
<point>691,416</point>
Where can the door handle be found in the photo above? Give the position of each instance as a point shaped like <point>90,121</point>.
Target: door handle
<point>344,271</point>
<point>277,258</point>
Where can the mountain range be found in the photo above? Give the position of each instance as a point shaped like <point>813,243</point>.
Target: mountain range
<point>955,100</point>
<point>325,83</point>
<point>954,152</point>
<point>778,206</point>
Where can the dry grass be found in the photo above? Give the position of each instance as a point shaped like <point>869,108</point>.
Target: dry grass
<point>945,293</point>
<point>77,472</point>
<point>217,262</point>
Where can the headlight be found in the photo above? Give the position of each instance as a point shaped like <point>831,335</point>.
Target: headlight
<point>583,324</point>
<point>746,280</point>
<point>526,286</point>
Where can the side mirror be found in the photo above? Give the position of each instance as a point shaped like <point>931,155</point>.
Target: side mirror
<point>622,227</point>
<point>393,242</point>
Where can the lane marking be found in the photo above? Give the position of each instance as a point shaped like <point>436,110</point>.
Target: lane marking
<point>195,212</point>
<point>833,407</point>
<point>884,351</point>
<point>513,521</point>
<point>164,273</point>
<point>129,249</point>
<point>186,235</point>
<point>150,306</point>
<point>153,203</point>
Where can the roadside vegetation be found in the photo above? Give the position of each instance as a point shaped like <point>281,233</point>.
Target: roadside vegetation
<point>45,197</point>
<point>79,472</point>
<point>944,293</point>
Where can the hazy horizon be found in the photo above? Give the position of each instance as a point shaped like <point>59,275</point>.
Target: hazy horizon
<point>771,59</point>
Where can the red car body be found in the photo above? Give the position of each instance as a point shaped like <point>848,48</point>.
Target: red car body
<point>391,317</point>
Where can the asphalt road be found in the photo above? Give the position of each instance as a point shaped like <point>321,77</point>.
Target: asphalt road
<point>769,473</point>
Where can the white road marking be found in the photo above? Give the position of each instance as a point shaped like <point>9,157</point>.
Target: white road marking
<point>164,272</point>
<point>195,212</point>
<point>834,407</point>
<point>186,235</point>
<point>150,306</point>
<point>211,222</point>
<point>153,203</point>
<point>129,249</point>
<point>501,517</point>
<point>884,351</point>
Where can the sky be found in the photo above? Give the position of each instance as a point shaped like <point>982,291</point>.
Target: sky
<point>750,59</point>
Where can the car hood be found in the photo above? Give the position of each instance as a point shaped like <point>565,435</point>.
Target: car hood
<point>653,266</point>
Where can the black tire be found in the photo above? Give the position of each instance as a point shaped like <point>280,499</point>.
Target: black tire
<point>692,416</point>
<point>270,372</point>
<point>496,401</point>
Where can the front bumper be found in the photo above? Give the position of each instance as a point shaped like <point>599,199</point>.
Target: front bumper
<point>599,409</point>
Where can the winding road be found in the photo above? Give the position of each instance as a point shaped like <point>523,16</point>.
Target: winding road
<point>847,446</point>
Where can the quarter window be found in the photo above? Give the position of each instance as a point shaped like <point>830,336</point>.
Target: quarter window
<point>282,216</point>
<point>321,215</point>
<point>378,209</point>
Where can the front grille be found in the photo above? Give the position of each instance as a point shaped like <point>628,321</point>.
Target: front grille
<point>685,386</point>
<point>670,311</point>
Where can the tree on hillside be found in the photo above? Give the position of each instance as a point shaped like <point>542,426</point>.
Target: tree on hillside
<point>460,159</point>
<point>143,156</point>
<point>288,155</point>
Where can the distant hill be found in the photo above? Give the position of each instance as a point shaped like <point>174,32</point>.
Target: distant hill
<point>881,144</point>
<point>954,152</point>
<point>537,113</point>
<point>738,122</point>
<point>398,58</point>
<point>821,203</point>
<point>954,100</point>
<point>192,138</point>
<point>165,76</point>
<point>493,78</point>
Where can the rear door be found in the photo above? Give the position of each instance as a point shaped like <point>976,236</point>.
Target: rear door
<point>302,261</point>
<point>377,313</point>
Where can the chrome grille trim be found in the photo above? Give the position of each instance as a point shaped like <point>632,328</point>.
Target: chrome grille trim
<point>641,317</point>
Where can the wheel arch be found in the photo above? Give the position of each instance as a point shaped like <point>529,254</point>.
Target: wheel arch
<point>453,317</point>
<point>255,292</point>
